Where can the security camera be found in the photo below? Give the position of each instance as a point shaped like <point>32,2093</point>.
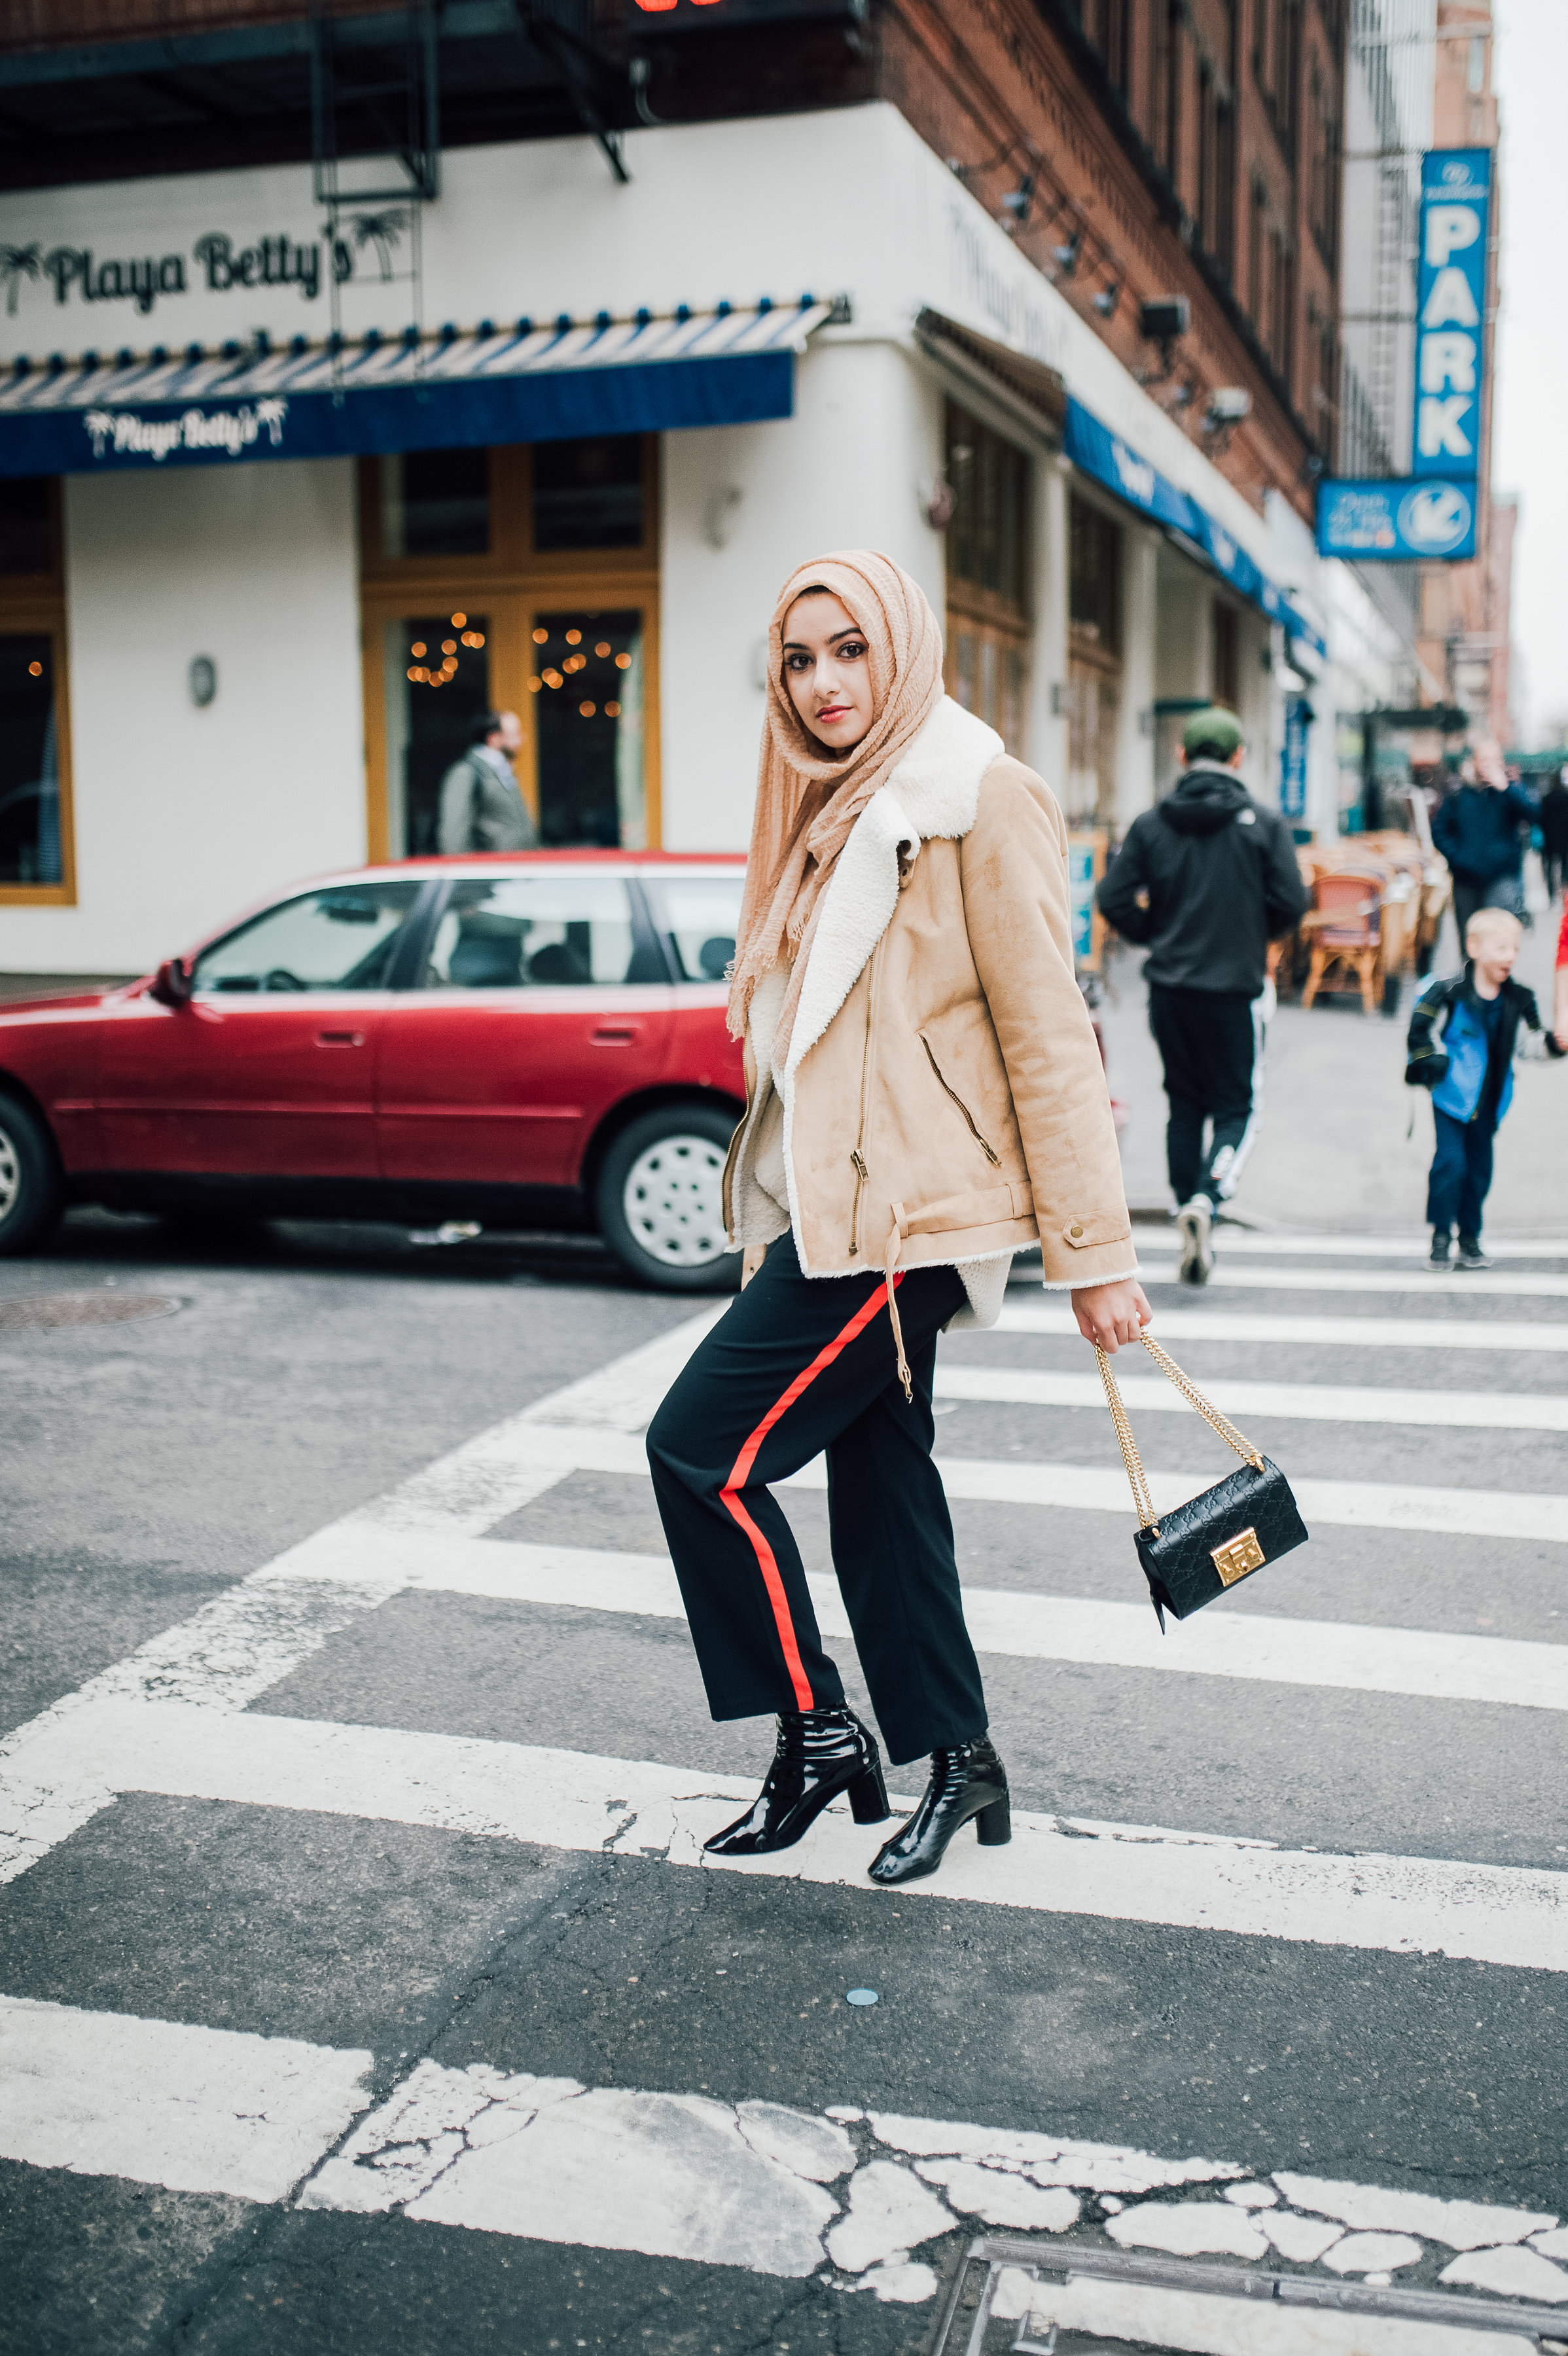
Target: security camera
<point>1166,318</point>
<point>1229,404</point>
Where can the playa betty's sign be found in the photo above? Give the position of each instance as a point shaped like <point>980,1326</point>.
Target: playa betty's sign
<point>216,263</point>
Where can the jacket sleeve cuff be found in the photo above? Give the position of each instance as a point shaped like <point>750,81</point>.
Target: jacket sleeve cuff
<point>1063,1268</point>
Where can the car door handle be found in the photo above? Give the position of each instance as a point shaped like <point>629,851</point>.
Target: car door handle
<point>614,1034</point>
<point>340,1038</point>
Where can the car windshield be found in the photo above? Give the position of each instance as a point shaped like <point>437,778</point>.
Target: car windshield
<point>701,914</point>
<point>340,939</point>
<point>529,931</point>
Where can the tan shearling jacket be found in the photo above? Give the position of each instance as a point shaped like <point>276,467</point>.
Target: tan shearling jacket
<point>944,1101</point>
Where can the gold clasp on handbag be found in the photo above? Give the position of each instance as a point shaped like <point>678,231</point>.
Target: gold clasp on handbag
<point>1236,1558</point>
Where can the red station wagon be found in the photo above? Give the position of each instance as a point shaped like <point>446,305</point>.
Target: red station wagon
<point>529,1040</point>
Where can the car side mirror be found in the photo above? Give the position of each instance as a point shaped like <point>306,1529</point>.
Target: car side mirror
<point>172,984</point>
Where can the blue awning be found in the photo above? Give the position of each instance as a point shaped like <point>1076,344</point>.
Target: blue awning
<point>1112,461</point>
<point>527,382</point>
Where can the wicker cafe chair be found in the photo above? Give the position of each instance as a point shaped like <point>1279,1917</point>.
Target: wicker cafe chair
<point>1344,930</point>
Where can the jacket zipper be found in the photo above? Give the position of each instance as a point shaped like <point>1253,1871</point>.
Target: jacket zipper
<point>858,1159</point>
<point>991,1154</point>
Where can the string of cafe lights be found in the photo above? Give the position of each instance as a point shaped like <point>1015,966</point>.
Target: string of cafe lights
<point>423,672</point>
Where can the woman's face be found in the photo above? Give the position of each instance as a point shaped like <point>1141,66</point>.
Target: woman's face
<point>827,671</point>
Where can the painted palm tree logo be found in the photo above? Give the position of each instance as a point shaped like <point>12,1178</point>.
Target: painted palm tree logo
<point>16,262</point>
<point>382,231</point>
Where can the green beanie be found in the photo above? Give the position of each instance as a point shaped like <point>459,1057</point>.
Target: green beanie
<point>1215,732</point>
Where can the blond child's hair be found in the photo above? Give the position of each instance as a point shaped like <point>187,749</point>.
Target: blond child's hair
<point>1492,921</point>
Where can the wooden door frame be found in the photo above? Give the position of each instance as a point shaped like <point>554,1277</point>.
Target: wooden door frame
<point>513,581</point>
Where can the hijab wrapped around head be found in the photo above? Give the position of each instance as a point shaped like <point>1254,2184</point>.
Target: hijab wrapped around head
<point>808,799</point>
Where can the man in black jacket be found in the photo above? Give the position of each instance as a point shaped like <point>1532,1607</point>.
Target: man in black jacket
<point>1206,879</point>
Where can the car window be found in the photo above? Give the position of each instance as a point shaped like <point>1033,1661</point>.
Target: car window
<point>701,916</point>
<point>340,939</point>
<point>522,932</point>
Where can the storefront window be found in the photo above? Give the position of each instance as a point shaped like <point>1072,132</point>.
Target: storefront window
<point>30,846</point>
<point>436,503</point>
<point>438,672</point>
<point>27,526</point>
<point>478,566</point>
<point>1094,662</point>
<point>988,632</point>
<point>587,691</point>
<point>588,494</point>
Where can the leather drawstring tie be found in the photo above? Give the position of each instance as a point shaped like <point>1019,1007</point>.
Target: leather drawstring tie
<point>890,1258</point>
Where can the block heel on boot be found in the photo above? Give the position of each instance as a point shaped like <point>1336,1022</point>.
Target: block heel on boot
<point>820,1753</point>
<point>868,1796</point>
<point>969,1780</point>
<point>994,1826</point>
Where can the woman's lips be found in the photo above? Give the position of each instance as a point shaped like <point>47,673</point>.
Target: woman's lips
<point>834,711</point>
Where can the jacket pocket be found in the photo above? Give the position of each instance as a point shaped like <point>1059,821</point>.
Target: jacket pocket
<point>984,1144</point>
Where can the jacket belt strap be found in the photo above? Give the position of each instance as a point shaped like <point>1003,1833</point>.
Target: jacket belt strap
<point>988,1206</point>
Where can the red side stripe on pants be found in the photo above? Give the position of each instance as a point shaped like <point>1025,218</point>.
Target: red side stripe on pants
<point>741,1472</point>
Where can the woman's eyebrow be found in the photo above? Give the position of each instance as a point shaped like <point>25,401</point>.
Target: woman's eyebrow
<point>799,645</point>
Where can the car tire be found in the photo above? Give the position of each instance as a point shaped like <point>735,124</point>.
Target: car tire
<point>658,1203</point>
<point>32,1194</point>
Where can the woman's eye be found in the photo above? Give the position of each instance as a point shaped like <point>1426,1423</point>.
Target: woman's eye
<point>852,650</point>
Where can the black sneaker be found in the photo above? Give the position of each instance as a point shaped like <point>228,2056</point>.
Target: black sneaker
<point>1442,1245</point>
<point>1470,1253</point>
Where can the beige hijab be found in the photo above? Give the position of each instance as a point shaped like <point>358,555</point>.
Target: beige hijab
<point>807,801</point>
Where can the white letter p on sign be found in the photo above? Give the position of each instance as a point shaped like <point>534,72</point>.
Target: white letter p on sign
<point>1449,230</point>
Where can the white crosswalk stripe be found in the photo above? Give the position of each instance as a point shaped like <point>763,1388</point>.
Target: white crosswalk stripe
<point>643,1808</point>
<point>1155,1267</point>
<point>1359,1659</point>
<point>842,2195</point>
<point>1331,1333</point>
<point>1252,1244</point>
<point>753,2184</point>
<point>1303,1402</point>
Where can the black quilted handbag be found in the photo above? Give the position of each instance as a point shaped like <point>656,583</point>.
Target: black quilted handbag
<point>1195,1551</point>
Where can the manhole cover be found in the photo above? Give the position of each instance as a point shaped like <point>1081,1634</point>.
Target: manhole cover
<point>47,1311</point>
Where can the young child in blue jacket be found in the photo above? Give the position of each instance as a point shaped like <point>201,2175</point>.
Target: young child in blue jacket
<point>1461,1046</point>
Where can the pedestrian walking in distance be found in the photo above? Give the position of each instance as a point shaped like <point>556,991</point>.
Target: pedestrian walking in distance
<point>481,808</point>
<point>1554,834</point>
<point>924,1098</point>
<point>1207,878</point>
<point>1477,828</point>
<point>1461,1045</point>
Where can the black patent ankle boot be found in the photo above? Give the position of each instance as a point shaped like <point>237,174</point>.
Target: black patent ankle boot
<point>820,1753</point>
<point>968,1781</point>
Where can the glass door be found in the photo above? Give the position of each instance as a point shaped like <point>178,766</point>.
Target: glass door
<point>518,580</point>
<point>437,687</point>
<point>586,690</point>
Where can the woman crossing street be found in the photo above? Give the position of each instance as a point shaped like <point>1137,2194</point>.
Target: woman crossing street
<point>925,1099</point>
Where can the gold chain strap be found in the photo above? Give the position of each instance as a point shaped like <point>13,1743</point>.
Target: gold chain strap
<point>1136,1475</point>
<point>1130,1456</point>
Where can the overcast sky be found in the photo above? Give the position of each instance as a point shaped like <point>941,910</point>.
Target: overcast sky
<point>1529,454</point>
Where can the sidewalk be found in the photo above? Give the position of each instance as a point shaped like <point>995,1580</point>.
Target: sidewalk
<point>1332,1151</point>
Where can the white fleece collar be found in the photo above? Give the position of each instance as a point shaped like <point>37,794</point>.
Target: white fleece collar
<point>934,791</point>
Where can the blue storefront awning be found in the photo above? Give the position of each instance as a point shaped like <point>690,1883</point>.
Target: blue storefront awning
<point>1112,461</point>
<point>549,381</point>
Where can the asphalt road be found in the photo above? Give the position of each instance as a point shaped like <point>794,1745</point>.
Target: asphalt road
<point>420,1825</point>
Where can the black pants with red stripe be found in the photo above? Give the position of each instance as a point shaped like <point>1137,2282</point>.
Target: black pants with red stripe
<point>798,1365</point>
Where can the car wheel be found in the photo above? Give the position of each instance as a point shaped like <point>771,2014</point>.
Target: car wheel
<point>660,1199</point>
<point>31,1194</point>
